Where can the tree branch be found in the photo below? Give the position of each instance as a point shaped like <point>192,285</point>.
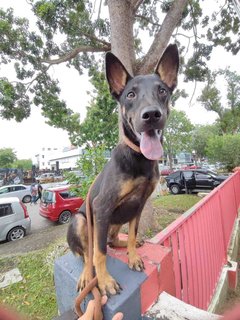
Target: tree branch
<point>69,56</point>
<point>148,20</point>
<point>135,4</point>
<point>94,38</point>
<point>162,38</point>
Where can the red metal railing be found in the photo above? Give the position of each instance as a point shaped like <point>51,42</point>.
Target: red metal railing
<point>199,240</point>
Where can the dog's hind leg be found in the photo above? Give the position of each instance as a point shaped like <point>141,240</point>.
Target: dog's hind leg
<point>78,242</point>
<point>113,239</point>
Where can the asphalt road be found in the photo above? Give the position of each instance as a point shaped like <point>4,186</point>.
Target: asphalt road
<point>43,233</point>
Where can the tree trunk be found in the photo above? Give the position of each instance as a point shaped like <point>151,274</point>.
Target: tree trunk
<point>162,38</point>
<point>122,41</point>
<point>121,15</point>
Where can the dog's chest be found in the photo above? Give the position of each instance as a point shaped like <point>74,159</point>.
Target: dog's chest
<point>132,189</point>
<point>132,198</point>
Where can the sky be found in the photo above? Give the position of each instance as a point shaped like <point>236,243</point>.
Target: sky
<point>29,136</point>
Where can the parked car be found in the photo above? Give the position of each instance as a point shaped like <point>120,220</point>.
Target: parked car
<point>59,204</point>
<point>46,177</point>
<point>190,167</point>
<point>165,170</point>
<point>14,219</point>
<point>193,180</point>
<point>49,177</point>
<point>16,190</point>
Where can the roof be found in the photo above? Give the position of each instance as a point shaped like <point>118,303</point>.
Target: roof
<point>13,185</point>
<point>8,200</point>
<point>57,188</point>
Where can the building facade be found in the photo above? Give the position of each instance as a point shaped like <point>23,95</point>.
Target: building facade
<point>53,159</point>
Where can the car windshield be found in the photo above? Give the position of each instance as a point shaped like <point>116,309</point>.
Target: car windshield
<point>48,196</point>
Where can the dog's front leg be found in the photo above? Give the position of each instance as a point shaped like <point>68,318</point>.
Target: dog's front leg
<point>106,283</point>
<point>134,260</point>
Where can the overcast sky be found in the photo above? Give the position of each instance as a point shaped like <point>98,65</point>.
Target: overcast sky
<point>27,137</point>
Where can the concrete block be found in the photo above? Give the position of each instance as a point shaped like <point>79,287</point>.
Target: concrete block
<point>66,274</point>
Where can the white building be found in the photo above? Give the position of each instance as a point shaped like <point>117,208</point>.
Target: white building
<point>65,159</point>
<point>42,159</point>
<point>57,158</point>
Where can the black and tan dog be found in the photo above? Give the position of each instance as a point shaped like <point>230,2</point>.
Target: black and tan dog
<point>120,191</point>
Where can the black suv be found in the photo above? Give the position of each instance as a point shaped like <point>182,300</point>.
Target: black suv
<point>193,180</point>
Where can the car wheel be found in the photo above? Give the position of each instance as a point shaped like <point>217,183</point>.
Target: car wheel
<point>174,188</point>
<point>64,217</point>
<point>16,234</point>
<point>26,199</point>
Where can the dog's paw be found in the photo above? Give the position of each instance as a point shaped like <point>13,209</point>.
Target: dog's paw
<point>135,263</point>
<point>84,279</point>
<point>108,286</point>
<point>139,243</point>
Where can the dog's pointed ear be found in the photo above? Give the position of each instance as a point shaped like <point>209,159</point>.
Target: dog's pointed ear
<point>168,65</point>
<point>117,75</point>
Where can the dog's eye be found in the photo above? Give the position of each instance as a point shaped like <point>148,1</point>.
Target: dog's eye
<point>131,95</point>
<point>162,91</point>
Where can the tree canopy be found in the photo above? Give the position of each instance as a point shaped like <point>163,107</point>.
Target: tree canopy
<point>228,109</point>
<point>177,134</point>
<point>225,149</point>
<point>101,123</point>
<point>7,157</point>
<point>72,32</point>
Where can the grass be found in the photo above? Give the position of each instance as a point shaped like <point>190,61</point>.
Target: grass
<point>33,297</point>
<point>168,208</point>
<point>178,203</point>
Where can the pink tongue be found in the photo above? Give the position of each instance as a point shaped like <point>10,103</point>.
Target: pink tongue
<point>151,146</point>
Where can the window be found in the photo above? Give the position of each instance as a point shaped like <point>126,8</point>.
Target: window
<point>4,190</point>
<point>188,174</point>
<point>19,188</point>
<point>67,194</point>
<point>48,196</point>
<point>5,210</point>
<point>202,176</point>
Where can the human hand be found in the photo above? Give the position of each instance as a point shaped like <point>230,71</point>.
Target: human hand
<point>88,315</point>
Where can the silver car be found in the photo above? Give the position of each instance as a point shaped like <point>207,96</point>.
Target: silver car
<point>16,190</point>
<point>14,219</point>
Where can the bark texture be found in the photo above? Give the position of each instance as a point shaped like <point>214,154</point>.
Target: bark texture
<point>162,38</point>
<point>121,22</point>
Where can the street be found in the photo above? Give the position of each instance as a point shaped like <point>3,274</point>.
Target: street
<point>43,233</point>
<point>38,222</point>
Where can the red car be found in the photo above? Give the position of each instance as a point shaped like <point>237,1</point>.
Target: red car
<point>59,203</point>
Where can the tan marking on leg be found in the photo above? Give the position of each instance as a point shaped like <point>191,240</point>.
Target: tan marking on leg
<point>85,276</point>
<point>106,283</point>
<point>113,240</point>
<point>134,260</point>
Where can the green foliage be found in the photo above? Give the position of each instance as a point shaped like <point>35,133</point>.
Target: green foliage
<point>90,164</point>
<point>71,32</point>
<point>24,164</point>
<point>211,98</point>
<point>200,136</point>
<point>225,149</point>
<point>101,123</point>
<point>177,135</point>
<point>7,158</point>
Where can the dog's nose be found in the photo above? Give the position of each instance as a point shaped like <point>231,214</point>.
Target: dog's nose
<point>151,115</point>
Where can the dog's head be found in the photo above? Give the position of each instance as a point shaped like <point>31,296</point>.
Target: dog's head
<point>144,100</point>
